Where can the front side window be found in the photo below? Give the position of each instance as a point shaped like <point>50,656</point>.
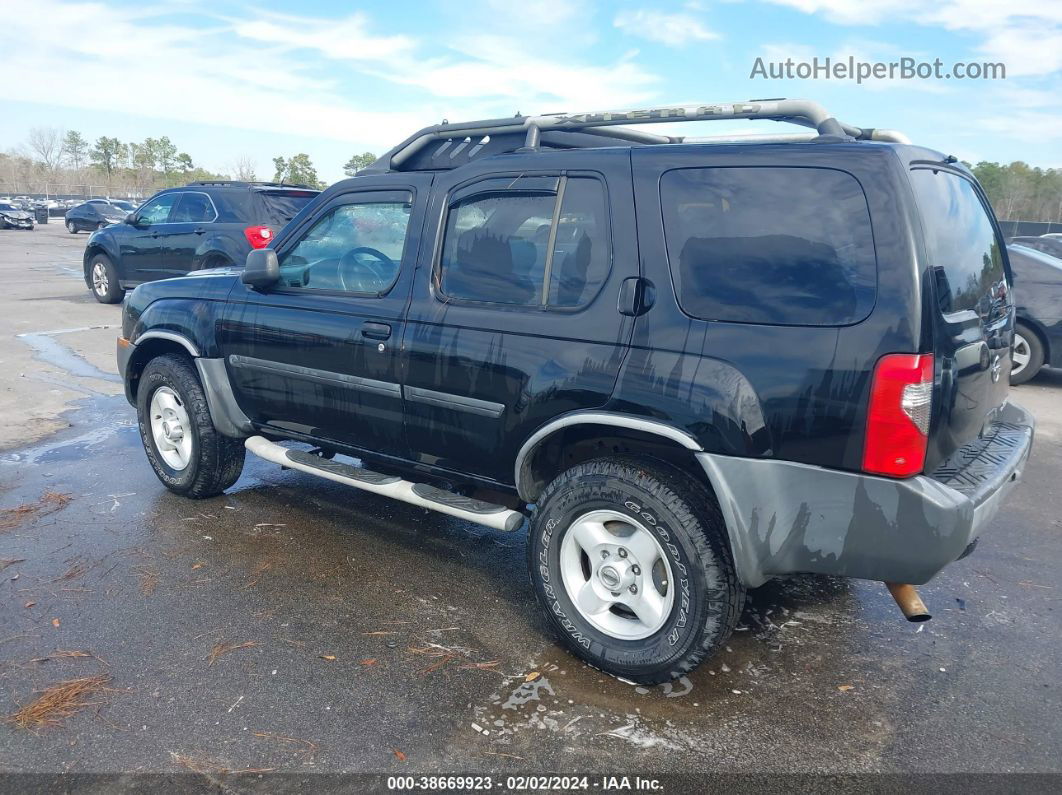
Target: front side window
<point>961,242</point>
<point>354,248</point>
<point>780,246</point>
<point>194,208</point>
<point>544,249</point>
<point>157,211</point>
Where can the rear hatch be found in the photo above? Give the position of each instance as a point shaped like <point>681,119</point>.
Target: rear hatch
<point>970,309</point>
<point>280,205</point>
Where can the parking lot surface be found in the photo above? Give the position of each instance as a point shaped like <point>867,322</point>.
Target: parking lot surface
<point>296,625</point>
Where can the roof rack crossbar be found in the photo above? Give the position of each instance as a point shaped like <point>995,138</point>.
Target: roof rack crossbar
<point>240,183</point>
<point>795,111</point>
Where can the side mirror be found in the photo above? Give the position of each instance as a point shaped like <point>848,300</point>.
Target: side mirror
<point>131,220</point>
<point>262,269</point>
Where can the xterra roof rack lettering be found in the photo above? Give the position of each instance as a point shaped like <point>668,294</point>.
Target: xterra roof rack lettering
<point>684,365</point>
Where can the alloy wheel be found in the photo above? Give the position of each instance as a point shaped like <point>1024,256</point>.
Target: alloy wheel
<point>170,428</point>
<point>100,283</point>
<point>1020,354</point>
<point>617,575</point>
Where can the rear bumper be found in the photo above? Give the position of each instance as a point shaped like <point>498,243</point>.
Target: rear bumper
<point>786,518</point>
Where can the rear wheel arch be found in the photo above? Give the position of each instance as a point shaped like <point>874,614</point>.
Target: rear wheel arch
<point>570,440</point>
<point>211,255</point>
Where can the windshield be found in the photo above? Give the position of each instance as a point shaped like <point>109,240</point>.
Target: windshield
<point>283,205</point>
<point>5,206</point>
<point>127,206</point>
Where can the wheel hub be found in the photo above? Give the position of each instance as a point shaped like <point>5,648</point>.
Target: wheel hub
<point>617,575</point>
<point>173,429</point>
<point>168,419</point>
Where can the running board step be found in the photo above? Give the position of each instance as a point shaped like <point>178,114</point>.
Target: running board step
<point>497,517</point>
<point>339,468</point>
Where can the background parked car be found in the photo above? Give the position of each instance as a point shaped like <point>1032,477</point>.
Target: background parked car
<point>202,225</point>
<point>91,216</point>
<point>122,204</point>
<point>12,217</point>
<point>1049,244</point>
<point>1038,294</point>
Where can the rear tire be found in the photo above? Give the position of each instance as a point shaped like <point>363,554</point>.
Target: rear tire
<point>212,462</point>
<point>1027,355</point>
<point>677,532</point>
<point>103,280</point>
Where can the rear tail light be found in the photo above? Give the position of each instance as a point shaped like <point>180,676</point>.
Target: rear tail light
<point>901,397</point>
<point>258,236</point>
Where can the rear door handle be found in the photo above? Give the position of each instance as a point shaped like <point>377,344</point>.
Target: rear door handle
<point>636,297</point>
<point>376,331</point>
<point>199,230</point>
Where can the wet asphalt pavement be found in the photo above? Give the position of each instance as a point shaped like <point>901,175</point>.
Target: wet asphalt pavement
<point>297,625</point>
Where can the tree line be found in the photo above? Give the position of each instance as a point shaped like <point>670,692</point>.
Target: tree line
<point>53,161</point>
<point>1020,192</point>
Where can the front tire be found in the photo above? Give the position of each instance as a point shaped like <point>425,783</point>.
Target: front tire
<point>71,227</point>
<point>103,280</point>
<point>630,561</point>
<point>1026,355</point>
<point>188,455</point>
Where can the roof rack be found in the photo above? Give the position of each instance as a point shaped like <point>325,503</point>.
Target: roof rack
<point>236,183</point>
<point>795,111</point>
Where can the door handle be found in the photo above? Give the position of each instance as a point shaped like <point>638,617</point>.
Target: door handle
<point>154,234</point>
<point>636,297</point>
<point>199,230</point>
<point>376,331</point>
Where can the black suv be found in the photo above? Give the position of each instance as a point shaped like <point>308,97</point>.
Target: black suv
<point>692,364</point>
<point>202,225</point>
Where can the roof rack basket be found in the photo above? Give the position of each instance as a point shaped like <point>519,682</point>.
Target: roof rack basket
<point>795,111</point>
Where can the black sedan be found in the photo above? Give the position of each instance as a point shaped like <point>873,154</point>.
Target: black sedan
<point>1038,294</point>
<point>90,216</point>
<point>12,217</point>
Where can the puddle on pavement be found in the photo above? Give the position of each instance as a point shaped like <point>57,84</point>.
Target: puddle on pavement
<point>50,350</point>
<point>309,570</point>
<point>95,424</point>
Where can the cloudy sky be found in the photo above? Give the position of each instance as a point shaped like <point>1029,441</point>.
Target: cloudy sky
<point>226,80</point>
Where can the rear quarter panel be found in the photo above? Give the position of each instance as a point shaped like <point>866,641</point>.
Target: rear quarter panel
<point>788,392</point>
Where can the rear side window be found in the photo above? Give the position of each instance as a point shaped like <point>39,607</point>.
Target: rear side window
<point>961,241</point>
<point>281,206</point>
<point>528,249</point>
<point>193,208</point>
<point>783,246</point>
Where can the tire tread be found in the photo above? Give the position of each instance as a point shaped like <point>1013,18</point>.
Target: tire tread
<point>219,459</point>
<point>697,513</point>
